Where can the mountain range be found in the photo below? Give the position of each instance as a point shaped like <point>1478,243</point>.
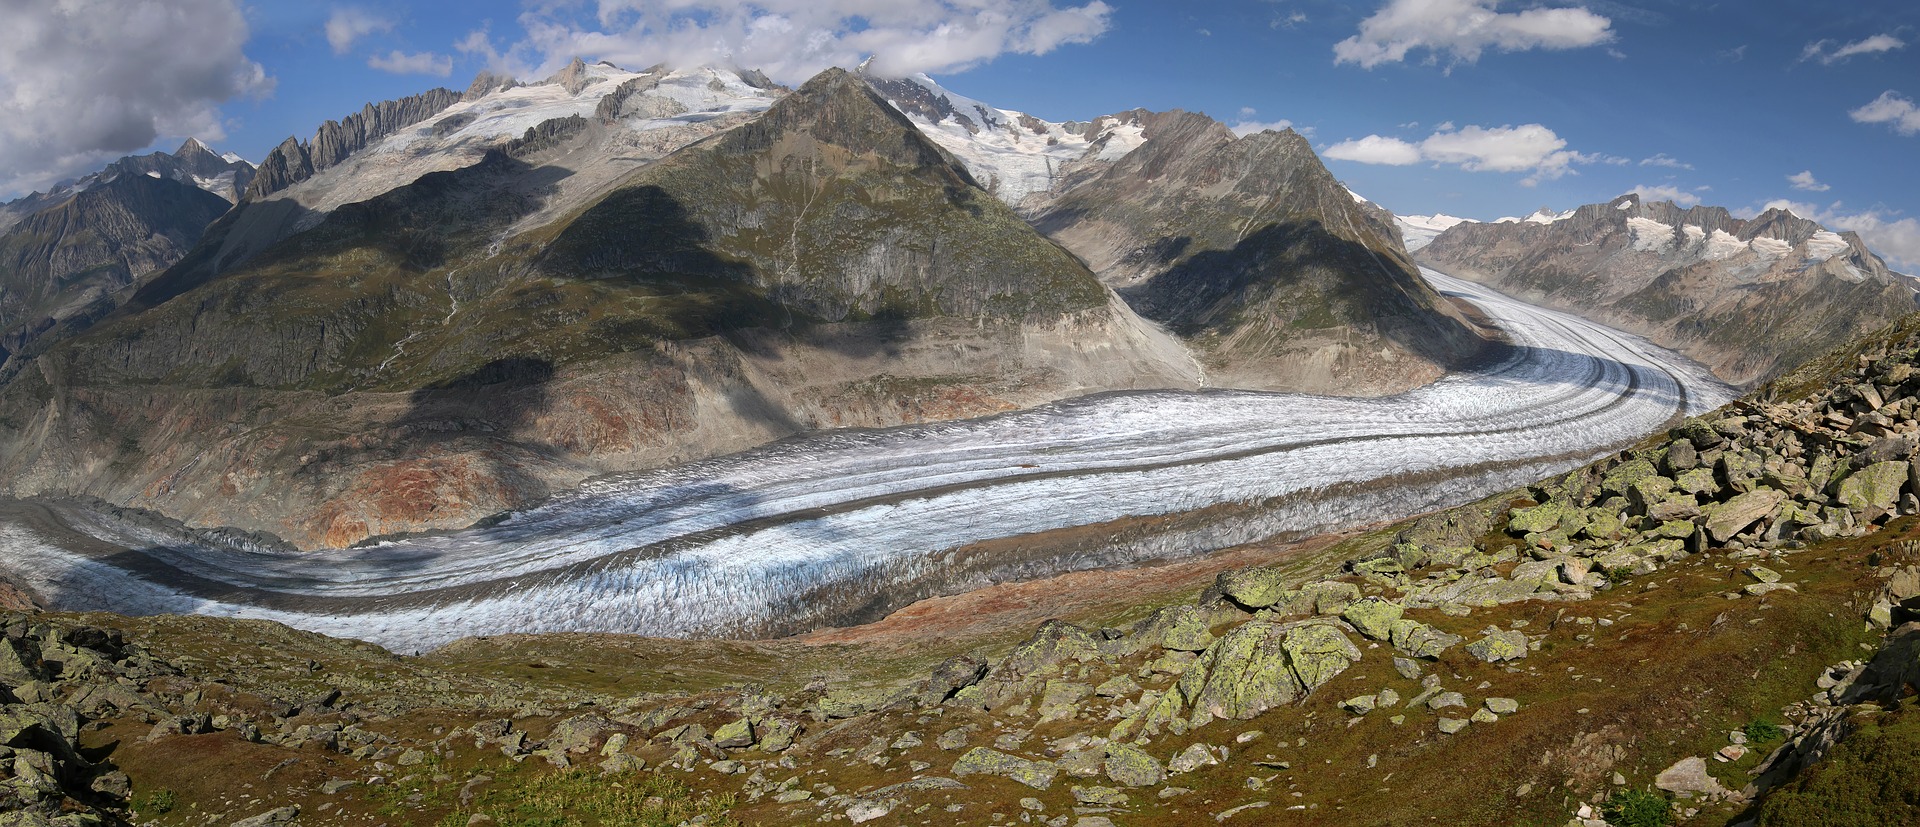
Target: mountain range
<point>451,305</point>
<point>1749,298</point>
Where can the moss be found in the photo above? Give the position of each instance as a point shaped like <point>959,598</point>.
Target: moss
<point>1866,781</point>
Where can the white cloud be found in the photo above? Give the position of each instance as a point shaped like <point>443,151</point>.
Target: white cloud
<point>1823,51</point>
<point>85,82</point>
<point>1666,193</point>
<point>350,24</point>
<point>1893,109</point>
<point>1466,28</point>
<point>1665,160</point>
<point>1247,125</point>
<point>1375,149</point>
<point>401,63</point>
<point>791,40</point>
<point>1529,148</point>
<point>1806,181</point>
<point>1895,238</point>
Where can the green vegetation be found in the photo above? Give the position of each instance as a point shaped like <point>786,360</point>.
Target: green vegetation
<point>1637,808</point>
<point>158,802</point>
<point>519,797</point>
<point>1866,781</point>
<point>1761,731</point>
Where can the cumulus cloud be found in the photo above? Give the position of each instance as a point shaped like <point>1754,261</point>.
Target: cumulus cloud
<point>1893,109</point>
<point>1665,160</point>
<point>350,24</point>
<point>89,80</point>
<point>1806,181</point>
<point>1464,29</point>
<point>791,40</point>
<point>1375,149</point>
<point>401,63</point>
<point>1824,51</point>
<point>1529,148</point>
<point>1666,193</point>
<point>1895,237</point>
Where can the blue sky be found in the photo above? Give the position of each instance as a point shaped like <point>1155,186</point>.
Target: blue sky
<point>1474,108</point>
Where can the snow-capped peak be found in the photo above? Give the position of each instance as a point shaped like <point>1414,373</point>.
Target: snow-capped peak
<point>1011,153</point>
<point>1420,230</point>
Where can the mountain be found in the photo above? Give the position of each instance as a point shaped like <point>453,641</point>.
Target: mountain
<point>1245,247</point>
<point>618,271</point>
<point>63,253</point>
<point>1748,298</point>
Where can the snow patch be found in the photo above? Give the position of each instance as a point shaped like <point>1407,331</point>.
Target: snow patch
<point>1650,236</point>
<point>1420,230</point>
<point>1722,245</point>
<point>1825,245</point>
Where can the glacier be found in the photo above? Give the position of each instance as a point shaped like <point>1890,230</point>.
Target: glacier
<point>800,533</point>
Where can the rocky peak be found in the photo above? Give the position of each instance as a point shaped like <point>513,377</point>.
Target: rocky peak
<point>192,148</point>
<point>573,77</point>
<point>292,161</point>
<point>486,83</point>
<point>839,108</point>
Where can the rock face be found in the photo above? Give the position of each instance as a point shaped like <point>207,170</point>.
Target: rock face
<point>59,264</point>
<point>292,161</point>
<point>1747,298</point>
<point>1249,249</point>
<point>817,266</point>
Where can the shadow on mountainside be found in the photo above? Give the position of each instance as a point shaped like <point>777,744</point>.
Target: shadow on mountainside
<point>1317,279</point>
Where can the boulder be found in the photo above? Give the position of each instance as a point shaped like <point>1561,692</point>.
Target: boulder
<point>1373,616</point>
<point>1875,486</point>
<point>1734,516</point>
<point>1056,642</point>
<point>736,734</point>
<point>1688,777</point>
<point>1131,766</point>
<point>1192,758</point>
<point>1255,588</point>
<point>1546,516</point>
<point>1419,640</point>
<point>983,761</point>
<point>1243,674</point>
<point>1499,645</point>
<point>1180,628</point>
<point>1318,653</point>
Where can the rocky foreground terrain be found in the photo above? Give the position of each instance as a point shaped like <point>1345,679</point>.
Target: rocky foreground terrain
<point>1714,627</point>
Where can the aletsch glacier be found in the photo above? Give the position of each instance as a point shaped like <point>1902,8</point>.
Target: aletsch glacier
<point>789,536</point>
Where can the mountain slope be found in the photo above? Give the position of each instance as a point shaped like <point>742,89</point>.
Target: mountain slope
<point>424,358</point>
<point>1244,246</point>
<point>1747,298</point>
<point>1248,248</point>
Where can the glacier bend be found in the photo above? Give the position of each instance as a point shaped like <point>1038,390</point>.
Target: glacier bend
<point>782,538</point>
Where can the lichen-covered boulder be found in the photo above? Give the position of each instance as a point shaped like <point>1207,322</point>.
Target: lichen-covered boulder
<point>1544,517</point>
<point>1255,588</point>
<point>1056,642</point>
<point>1373,616</point>
<point>1131,766</point>
<point>1499,645</point>
<point>734,734</point>
<point>1875,486</point>
<point>1419,640</point>
<point>1318,653</point>
<point>1734,516</point>
<point>1620,478</point>
<point>1180,628</point>
<point>983,761</point>
<point>1246,673</point>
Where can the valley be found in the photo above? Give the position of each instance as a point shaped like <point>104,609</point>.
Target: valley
<point>843,526</point>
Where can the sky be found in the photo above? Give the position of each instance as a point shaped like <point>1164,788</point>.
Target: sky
<point>1473,108</point>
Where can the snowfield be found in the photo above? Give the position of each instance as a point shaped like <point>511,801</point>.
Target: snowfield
<point>789,536</point>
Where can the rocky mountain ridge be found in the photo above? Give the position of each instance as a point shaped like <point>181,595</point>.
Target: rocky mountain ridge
<point>1749,298</point>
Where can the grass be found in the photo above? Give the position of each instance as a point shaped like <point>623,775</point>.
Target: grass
<point>1637,808</point>
<point>1866,781</point>
<point>523,797</point>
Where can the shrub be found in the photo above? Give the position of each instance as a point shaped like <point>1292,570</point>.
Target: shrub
<point>1637,808</point>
